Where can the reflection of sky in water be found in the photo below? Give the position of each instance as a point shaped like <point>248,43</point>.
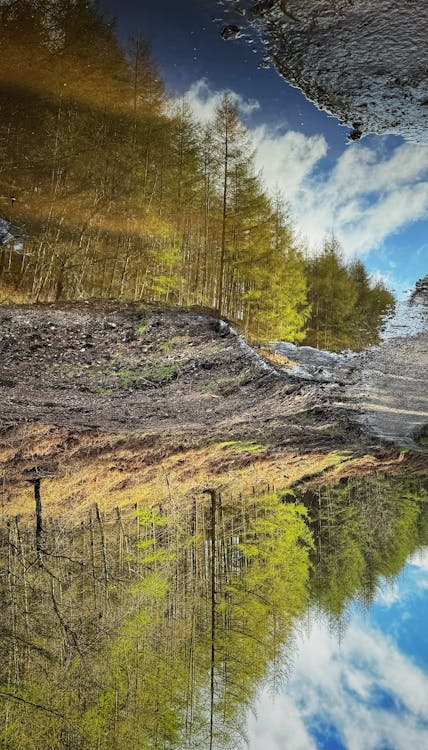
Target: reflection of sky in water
<point>370,692</point>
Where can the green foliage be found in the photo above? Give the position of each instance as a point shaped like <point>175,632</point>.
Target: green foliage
<point>151,516</point>
<point>168,344</point>
<point>162,373</point>
<point>347,310</point>
<point>127,378</point>
<point>245,447</point>
<point>154,586</point>
<point>177,213</point>
<point>164,269</point>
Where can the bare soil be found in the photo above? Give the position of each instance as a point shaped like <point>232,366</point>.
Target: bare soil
<point>181,374</point>
<point>116,404</point>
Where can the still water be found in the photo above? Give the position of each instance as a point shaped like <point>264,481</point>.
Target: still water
<point>284,620</point>
<point>361,685</point>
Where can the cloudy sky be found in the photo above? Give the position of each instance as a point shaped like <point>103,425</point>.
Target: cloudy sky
<point>373,194</point>
<point>369,691</point>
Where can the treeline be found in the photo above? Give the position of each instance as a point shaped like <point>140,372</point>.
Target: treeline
<point>122,193</point>
<point>155,628</point>
<point>346,309</point>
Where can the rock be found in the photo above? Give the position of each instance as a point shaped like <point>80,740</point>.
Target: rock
<point>230,32</point>
<point>355,135</point>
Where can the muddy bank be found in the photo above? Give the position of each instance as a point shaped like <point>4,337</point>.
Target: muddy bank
<point>189,378</point>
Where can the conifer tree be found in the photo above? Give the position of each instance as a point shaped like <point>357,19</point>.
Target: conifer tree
<point>122,193</point>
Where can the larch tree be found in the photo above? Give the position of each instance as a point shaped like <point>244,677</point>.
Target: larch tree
<point>231,144</point>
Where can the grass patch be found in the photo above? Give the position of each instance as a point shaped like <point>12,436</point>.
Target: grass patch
<point>226,386</point>
<point>104,391</point>
<point>168,344</point>
<point>107,469</point>
<point>162,373</point>
<point>156,375</point>
<point>237,445</point>
<point>127,378</point>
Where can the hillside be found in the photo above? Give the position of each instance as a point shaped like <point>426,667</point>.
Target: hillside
<point>121,368</point>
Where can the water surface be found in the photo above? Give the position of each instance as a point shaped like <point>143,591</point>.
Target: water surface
<point>292,618</point>
<point>361,683</point>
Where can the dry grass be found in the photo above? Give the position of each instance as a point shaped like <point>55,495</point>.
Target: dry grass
<point>9,296</point>
<point>127,470</point>
<point>115,470</point>
<point>275,358</point>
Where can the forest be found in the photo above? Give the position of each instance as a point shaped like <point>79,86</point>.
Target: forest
<point>153,625</point>
<point>112,189</point>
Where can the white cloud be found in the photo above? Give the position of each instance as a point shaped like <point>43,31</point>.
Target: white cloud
<point>342,687</point>
<point>288,159</point>
<point>279,719</point>
<point>204,102</point>
<point>364,198</point>
<point>361,166</point>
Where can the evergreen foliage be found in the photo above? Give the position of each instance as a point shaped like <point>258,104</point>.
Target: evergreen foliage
<point>123,194</point>
<point>347,310</point>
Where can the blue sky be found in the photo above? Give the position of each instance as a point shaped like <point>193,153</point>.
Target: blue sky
<point>368,692</point>
<point>372,194</point>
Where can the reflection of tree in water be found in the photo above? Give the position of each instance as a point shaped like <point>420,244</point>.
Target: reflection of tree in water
<point>157,631</point>
<point>363,529</point>
<point>152,632</point>
<point>222,623</point>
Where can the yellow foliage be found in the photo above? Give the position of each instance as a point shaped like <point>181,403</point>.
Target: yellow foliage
<point>122,473</point>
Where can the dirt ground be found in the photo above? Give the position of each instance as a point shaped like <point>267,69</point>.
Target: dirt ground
<point>164,371</point>
<point>116,404</point>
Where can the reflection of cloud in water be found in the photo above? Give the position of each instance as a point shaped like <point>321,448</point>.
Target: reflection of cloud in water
<point>388,594</point>
<point>361,694</point>
<point>419,559</point>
